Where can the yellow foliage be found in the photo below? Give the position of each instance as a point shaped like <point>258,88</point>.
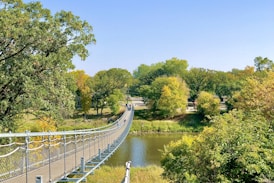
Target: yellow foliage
<point>257,95</point>
<point>47,124</point>
<point>206,132</point>
<point>39,143</point>
<point>83,84</point>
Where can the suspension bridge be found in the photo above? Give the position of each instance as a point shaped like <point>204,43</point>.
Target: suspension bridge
<point>67,156</point>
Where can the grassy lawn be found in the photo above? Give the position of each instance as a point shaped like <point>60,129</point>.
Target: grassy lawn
<point>91,120</point>
<point>149,174</point>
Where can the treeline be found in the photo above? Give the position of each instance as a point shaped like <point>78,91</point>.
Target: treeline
<point>167,86</point>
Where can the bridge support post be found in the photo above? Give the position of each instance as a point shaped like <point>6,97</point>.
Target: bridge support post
<point>108,147</point>
<point>27,139</point>
<point>99,154</point>
<point>65,151</point>
<point>38,179</point>
<point>82,169</point>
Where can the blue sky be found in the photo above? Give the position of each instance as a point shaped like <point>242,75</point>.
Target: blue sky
<point>212,34</point>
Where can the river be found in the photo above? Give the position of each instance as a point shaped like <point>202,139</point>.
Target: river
<point>141,150</point>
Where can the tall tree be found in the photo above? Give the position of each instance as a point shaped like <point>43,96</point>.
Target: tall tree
<point>224,84</point>
<point>257,95</point>
<point>175,67</point>
<point>84,90</point>
<point>106,82</point>
<point>263,64</point>
<point>36,50</point>
<point>167,95</point>
<point>145,74</point>
<point>229,82</point>
<point>199,79</point>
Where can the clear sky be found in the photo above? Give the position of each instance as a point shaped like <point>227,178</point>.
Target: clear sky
<point>212,34</point>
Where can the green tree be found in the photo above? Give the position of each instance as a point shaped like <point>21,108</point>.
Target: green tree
<point>166,102</point>
<point>257,94</point>
<point>236,148</point>
<point>207,104</point>
<point>146,78</point>
<point>141,71</point>
<point>114,99</point>
<point>175,67</point>
<point>225,84</point>
<point>263,64</point>
<point>173,97</point>
<point>167,95</point>
<point>155,71</point>
<point>243,74</point>
<point>199,79</point>
<point>36,51</point>
<point>104,83</point>
<point>146,74</point>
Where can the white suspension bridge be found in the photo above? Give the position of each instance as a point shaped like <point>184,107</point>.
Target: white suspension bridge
<point>67,156</point>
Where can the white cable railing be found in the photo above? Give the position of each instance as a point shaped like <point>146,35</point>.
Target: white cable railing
<point>56,154</point>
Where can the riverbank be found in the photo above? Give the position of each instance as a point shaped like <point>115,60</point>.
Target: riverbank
<point>186,123</point>
<point>149,174</point>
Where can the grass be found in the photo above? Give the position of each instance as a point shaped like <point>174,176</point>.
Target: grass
<point>143,123</point>
<point>77,122</point>
<point>91,120</point>
<point>80,123</point>
<point>149,174</point>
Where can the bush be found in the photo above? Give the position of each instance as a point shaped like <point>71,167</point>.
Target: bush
<point>236,148</point>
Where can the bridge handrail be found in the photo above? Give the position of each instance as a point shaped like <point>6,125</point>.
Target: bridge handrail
<point>61,146</point>
<point>121,139</point>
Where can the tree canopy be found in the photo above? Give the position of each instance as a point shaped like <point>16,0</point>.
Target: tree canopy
<point>198,79</point>
<point>166,95</point>
<point>257,94</point>
<point>36,51</point>
<point>263,64</point>
<point>84,90</point>
<point>105,83</point>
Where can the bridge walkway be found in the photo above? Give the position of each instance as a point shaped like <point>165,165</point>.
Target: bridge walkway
<point>74,147</point>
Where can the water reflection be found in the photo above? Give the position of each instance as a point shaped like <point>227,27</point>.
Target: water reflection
<point>141,150</point>
<point>138,151</point>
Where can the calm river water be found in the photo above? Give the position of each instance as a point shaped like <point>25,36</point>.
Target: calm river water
<point>141,150</point>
